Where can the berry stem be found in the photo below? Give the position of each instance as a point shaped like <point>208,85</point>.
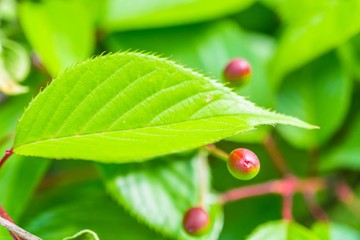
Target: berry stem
<point>286,186</point>
<point>287,206</point>
<point>7,155</point>
<point>313,161</point>
<point>213,150</point>
<point>275,155</point>
<point>203,171</point>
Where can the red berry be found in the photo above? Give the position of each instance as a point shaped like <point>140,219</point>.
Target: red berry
<point>196,221</point>
<point>238,70</point>
<point>243,164</point>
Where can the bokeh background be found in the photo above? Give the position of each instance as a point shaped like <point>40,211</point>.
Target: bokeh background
<point>305,58</point>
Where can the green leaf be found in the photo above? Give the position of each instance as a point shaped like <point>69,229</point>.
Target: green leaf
<point>123,15</point>
<point>171,183</point>
<point>333,231</point>
<point>329,23</point>
<point>127,106</point>
<point>61,32</point>
<point>64,211</point>
<point>282,230</point>
<point>345,154</point>
<point>319,90</point>
<point>84,235</point>
<point>208,47</point>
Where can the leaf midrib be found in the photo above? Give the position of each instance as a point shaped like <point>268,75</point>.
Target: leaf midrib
<point>132,129</point>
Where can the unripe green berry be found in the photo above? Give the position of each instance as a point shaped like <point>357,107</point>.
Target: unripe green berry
<point>238,71</point>
<point>243,164</point>
<point>196,221</point>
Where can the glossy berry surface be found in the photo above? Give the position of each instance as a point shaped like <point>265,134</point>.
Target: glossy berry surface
<point>238,70</point>
<point>243,164</point>
<point>196,221</point>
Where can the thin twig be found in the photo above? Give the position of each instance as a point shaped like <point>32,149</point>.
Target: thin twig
<point>15,229</point>
<point>275,155</point>
<point>5,215</point>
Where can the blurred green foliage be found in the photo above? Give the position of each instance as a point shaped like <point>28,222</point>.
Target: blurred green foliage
<point>305,57</point>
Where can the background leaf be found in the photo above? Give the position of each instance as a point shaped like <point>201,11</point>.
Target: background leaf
<point>125,15</point>
<point>312,23</point>
<point>65,210</point>
<point>159,108</point>
<point>333,231</point>
<point>345,154</point>
<point>61,32</point>
<point>314,93</point>
<point>160,191</point>
<point>282,230</point>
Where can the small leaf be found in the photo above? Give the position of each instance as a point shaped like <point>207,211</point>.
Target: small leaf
<point>8,86</point>
<point>333,231</point>
<point>61,33</point>
<point>14,59</point>
<point>314,93</point>
<point>14,67</point>
<point>282,230</point>
<point>171,183</point>
<point>140,14</point>
<point>83,235</point>
<point>127,106</point>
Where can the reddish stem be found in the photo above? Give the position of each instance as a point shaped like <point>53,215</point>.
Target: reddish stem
<point>5,215</point>
<point>275,155</point>
<point>7,155</point>
<point>287,206</point>
<point>286,186</point>
<point>250,191</point>
<point>315,208</point>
